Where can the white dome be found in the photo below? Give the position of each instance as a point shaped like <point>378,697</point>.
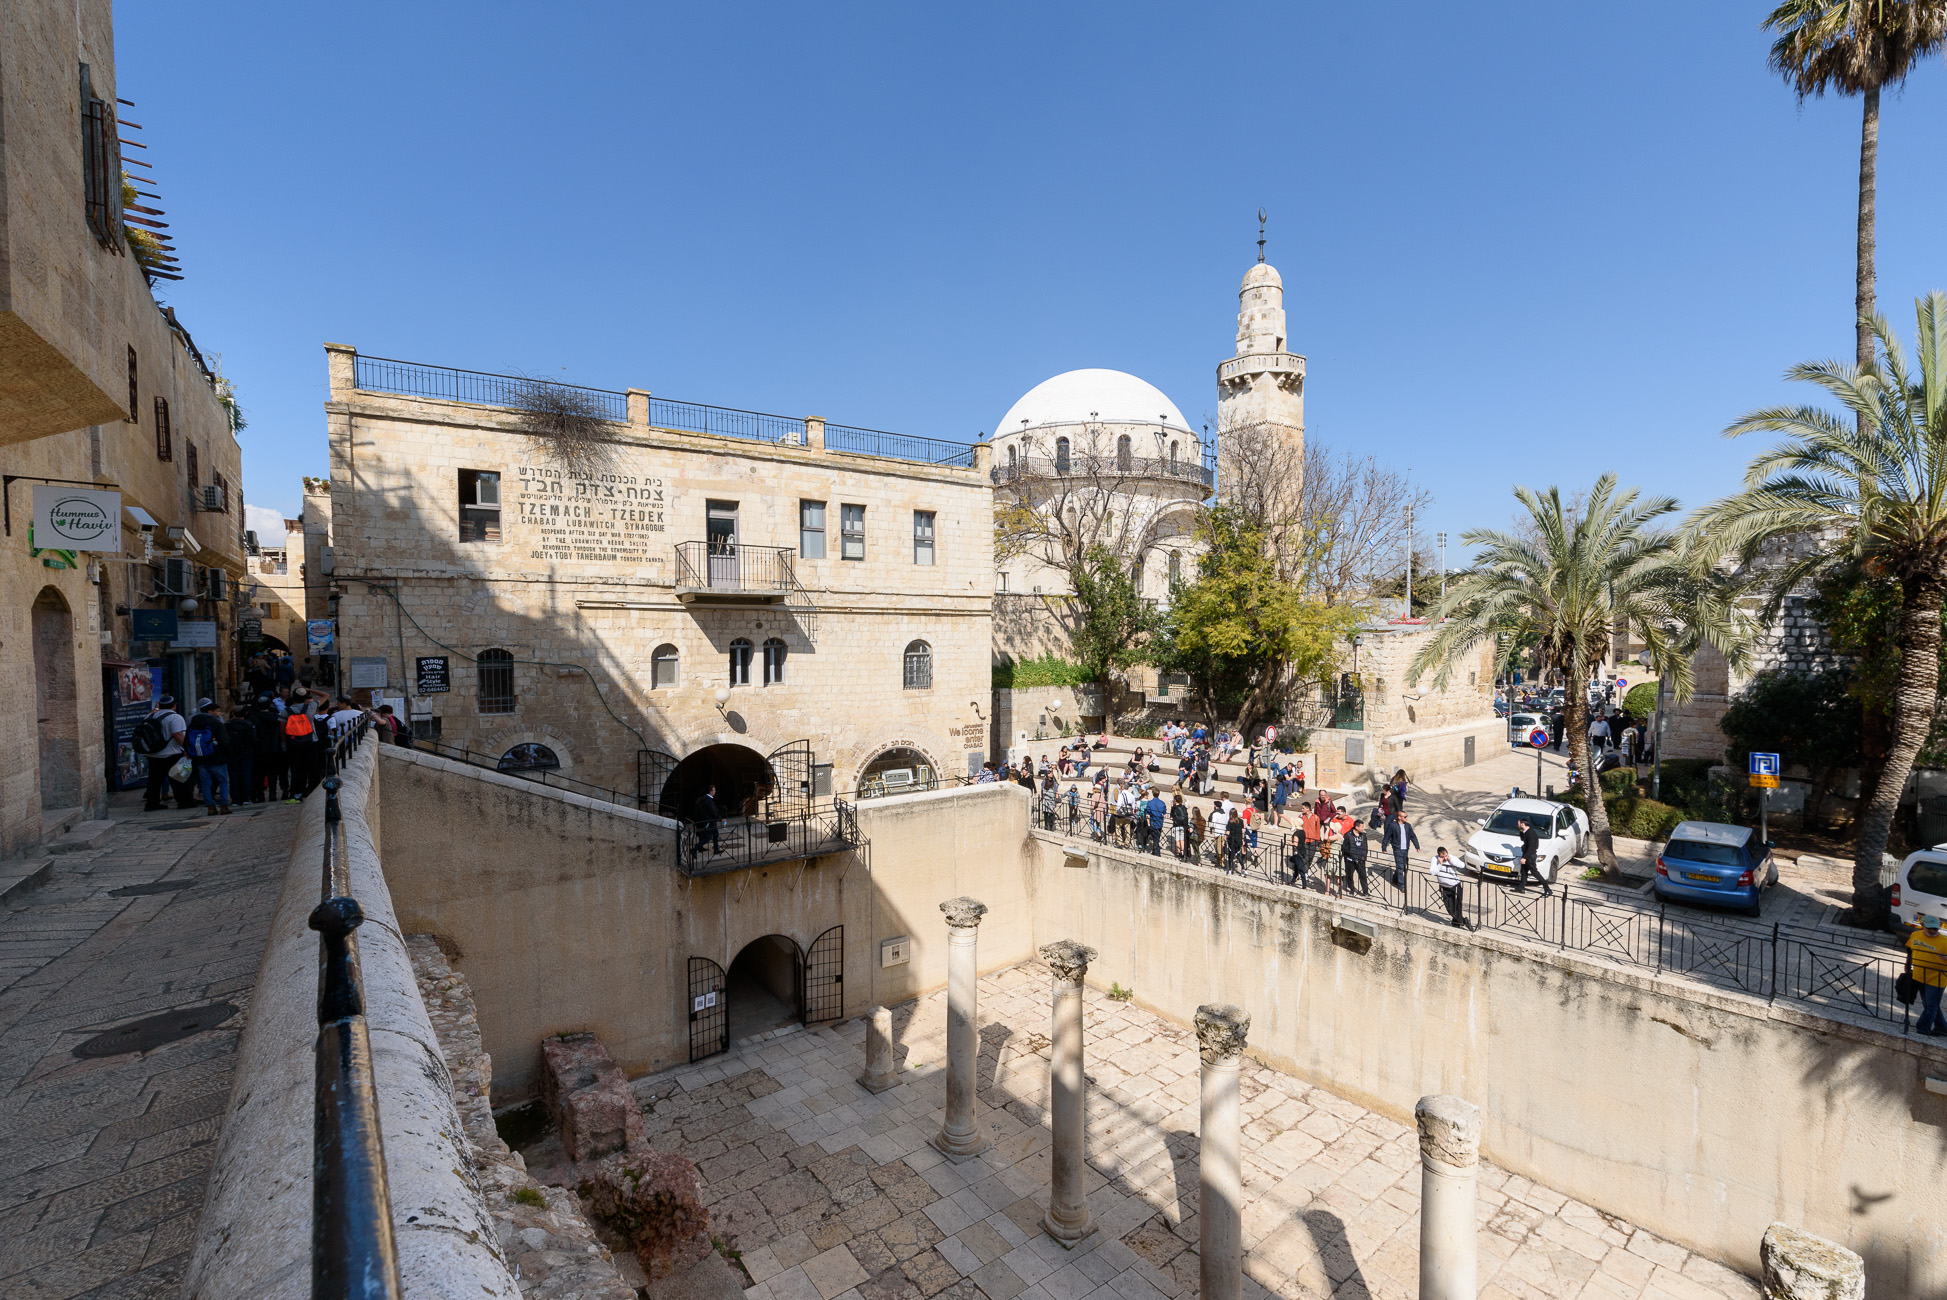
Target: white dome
<point>1078,396</point>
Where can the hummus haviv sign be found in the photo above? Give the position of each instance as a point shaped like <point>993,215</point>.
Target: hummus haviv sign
<point>77,519</point>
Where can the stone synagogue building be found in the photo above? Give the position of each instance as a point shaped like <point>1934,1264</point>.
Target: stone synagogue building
<point>729,596</point>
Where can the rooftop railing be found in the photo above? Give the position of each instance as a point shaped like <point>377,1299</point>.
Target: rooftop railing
<point>1083,468</point>
<point>444,383</point>
<point>898,446</point>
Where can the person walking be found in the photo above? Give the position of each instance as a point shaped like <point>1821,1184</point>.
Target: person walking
<point>1352,847</point>
<point>1310,832</point>
<point>1280,796</point>
<point>303,745</point>
<point>1098,812</point>
<point>1530,866</point>
<point>1233,836</point>
<point>1199,828</point>
<point>1074,801</point>
<point>707,817</point>
<point>1219,826</point>
<point>1154,813</point>
<point>1179,827</point>
<point>1447,876</point>
<point>243,756</point>
<point>159,740</point>
<point>273,773</point>
<point>1927,959</point>
<point>1401,839</point>
<point>207,742</point>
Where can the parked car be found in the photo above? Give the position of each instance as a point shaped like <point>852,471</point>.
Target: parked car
<point>1717,864</point>
<point>1520,724</point>
<point>1921,887</point>
<point>1495,849</point>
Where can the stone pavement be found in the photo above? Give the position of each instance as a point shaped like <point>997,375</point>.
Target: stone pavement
<point>103,1161</point>
<point>831,1193</point>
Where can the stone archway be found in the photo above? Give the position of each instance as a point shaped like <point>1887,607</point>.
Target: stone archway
<point>57,701</point>
<point>899,753</point>
<point>741,775</point>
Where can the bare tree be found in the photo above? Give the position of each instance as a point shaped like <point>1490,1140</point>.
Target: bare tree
<point>1352,527</point>
<point>569,421</point>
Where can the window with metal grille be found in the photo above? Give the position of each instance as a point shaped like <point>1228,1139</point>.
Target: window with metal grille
<point>922,537</point>
<point>663,665</point>
<point>1176,567</point>
<point>811,530</point>
<point>163,448</point>
<point>1061,455</point>
<point>101,166</point>
<point>740,662</point>
<point>851,524</point>
<point>190,447</point>
<point>496,669</point>
<point>479,505</point>
<point>134,399</point>
<point>919,666</point>
<point>1123,457</point>
<point>773,662</point>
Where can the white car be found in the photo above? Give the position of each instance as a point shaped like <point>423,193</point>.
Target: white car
<point>1921,887</point>
<point>1495,849</point>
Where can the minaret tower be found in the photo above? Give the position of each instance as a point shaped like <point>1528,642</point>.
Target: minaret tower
<point>1263,385</point>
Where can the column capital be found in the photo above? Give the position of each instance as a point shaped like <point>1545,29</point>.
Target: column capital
<point>1450,1131</point>
<point>1067,959</point>
<point>1220,1031</point>
<point>963,913</point>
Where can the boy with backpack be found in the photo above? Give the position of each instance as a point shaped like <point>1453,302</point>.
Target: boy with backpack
<point>158,739</point>
<point>207,742</point>
<point>303,747</point>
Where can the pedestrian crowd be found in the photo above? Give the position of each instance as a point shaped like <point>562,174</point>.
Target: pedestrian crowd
<point>273,749</point>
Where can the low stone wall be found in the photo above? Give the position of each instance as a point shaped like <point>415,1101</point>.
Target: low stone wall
<point>1700,1115</point>
<point>254,1237</point>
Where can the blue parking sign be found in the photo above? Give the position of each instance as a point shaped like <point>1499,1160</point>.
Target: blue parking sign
<point>1764,765</point>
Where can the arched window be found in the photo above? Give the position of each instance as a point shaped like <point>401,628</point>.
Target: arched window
<point>1172,455</point>
<point>1136,575</point>
<point>496,669</point>
<point>1061,455</point>
<point>529,757</point>
<point>1176,567</point>
<point>919,666</point>
<point>773,662</point>
<point>1124,459</point>
<point>740,662</point>
<point>663,665</point>
<point>1011,457</point>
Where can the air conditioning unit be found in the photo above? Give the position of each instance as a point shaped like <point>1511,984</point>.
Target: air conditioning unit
<point>219,585</point>
<point>173,577</point>
<point>212,497</point>
<point>250,541</point>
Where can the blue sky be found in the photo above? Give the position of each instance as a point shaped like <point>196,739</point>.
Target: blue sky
<point>1529,249</point>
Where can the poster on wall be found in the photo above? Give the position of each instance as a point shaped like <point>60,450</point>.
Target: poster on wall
<point>432,672</point>
<point>317,633</point>
<point>131,690</point>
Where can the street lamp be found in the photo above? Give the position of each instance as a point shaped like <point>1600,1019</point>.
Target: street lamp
<point>1409,562</point>
<point>1443,567</point>
<point>723,698</point>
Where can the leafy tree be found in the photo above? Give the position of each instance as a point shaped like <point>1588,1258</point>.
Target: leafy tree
<point>1113,624</point>
<point>1873,493</point>
<point>1856,47</point>
<point>1241,632</point>
<point>1808,717</point>
<point>1640,703</point>
<point>1564,580</point>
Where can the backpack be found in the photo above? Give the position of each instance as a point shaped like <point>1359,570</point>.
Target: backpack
<point>199,742</point>
<point>150,737</point>
<point>299,725</point>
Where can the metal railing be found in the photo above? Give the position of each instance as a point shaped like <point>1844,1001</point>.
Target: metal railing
<point>1201,472</point>
<point>726,422</point>
<point>539,775</point>
<point>1772,960</point>
<point>445,383</point>
<point>737,568</point>
<point>898,446</point>
<point>353,1253</point>
<point>709,848</point>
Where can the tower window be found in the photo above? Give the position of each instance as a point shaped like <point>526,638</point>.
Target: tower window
<point>740,662</point>
<point>1172,455</point>
<point>1176,567</point>
<point>1061,455</point>
<point>1124,456</point>
<point>1012,457</point>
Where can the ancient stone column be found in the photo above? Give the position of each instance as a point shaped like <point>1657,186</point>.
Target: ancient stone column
<point>879,1073</point>
<point>962,1135</point>
<point>1220,1181</point>
<point>1799,1266</point>
<point>1450,1153</point>
<point>1067,1220</point>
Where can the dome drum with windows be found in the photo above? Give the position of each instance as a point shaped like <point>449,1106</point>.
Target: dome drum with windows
<point>1101,424</point>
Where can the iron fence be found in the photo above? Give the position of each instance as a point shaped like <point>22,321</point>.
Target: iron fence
<point>1201,472</point>
<point>735,568</point>
<point>539,775</point>
<point>445,383</point>
<point>726,422</point>
<point>353,1253</point>
<point>1771,960</point>
<point>898,446</point>
<point>709,848</point>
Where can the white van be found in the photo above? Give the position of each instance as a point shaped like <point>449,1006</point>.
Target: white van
<point>1921,887</point>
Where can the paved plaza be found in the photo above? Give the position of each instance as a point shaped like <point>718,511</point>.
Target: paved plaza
<point>106,1158</point>
<point>831,1193</point>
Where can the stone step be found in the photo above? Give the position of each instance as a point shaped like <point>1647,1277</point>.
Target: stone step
<point>85,835</point>
<point>56,821</point>
<point>18,875</point>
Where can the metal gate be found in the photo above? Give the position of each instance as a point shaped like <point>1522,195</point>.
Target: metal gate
<point>709,1008</point>
<point>652,769</point>
<point>1467,759</point>
<point>791,768</point>
<point>823,998</point>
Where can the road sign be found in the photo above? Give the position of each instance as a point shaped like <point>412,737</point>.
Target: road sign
<point>1622,683</point>
<point>1763,765</point>
<point>1764,781</point>
<point>1538,738</point>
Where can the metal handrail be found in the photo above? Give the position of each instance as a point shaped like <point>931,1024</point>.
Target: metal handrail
<point>539,775</point>
<point>708,848</point>
<point>898,446</point>
<point>1082,466</point>
<point>478,387</point>
<point>353,1253</point>
<point>735,567</point>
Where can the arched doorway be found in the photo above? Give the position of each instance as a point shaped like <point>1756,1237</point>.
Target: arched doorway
<point>771,982</point>
<point>897,771</point>
<point>764,986</point>
<point>742,776</point>
<point>56,712</point>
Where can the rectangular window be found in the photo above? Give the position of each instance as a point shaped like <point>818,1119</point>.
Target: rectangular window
<point>425,728</point>
<point>190,447</point>
<point>222,493</point>
<point>101,166</point>
<point>851,525</point>
<point>923,537</point>
<point>134,400</point>
<point>1003,578</point>
<point>163,448</point>
<point>811,530</point>
<point>496,669</point>
<point>479,505</point>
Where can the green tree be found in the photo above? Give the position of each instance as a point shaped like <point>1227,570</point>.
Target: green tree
<point>1809,717</point>
<point>1112,623</point>
<point>1856,47</point>
<point>1242,633</point>
<point>1870,490</point>
<point>1562,582</point>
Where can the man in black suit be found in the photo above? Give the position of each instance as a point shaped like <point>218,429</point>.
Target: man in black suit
<point>1530,865</point>
<point>706,819</point>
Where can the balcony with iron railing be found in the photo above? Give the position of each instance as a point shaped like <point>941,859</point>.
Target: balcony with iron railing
<point>1083,468</point>
<point>710,848</point>
<point>735,574</point>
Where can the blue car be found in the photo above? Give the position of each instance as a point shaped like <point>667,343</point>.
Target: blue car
<point>1710,862</point>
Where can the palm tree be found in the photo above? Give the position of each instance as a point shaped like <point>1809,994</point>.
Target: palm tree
<point>1561,586</point>
<point>1856,47</point>
<point>1875,485</point>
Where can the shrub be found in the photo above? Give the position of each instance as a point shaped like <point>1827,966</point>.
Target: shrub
<point>1049,670</point>
<point>1641,818</point>
<point>529,1196</point>
<point>1640,702</point>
